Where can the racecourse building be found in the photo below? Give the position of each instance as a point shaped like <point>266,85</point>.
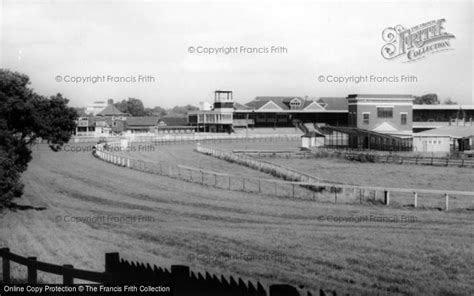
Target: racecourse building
<point>371,112</point>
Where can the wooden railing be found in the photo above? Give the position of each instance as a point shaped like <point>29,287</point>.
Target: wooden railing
<point>67,271</point>
<point>365,156</point>
<point>294,184</point>
<point>313,183</point>
<point>180,280</point>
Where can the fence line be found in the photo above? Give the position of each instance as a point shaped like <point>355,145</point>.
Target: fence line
<point>300,186</point>
<point>364,157</point>
<point>315,184</point>
<point>181,280</point>
<point>183,138</point>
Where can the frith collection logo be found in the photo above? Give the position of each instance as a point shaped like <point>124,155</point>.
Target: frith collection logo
<point>417,42</point>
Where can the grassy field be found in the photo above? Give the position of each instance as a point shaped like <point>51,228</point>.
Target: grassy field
<point>337,170</point>
<point>397,251</point>
<point>370,174</point>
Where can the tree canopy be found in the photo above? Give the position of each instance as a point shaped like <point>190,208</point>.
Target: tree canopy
<point>26,117</point>
<point>132,106</point>
<point>428,99</point>
<point>135,107</point>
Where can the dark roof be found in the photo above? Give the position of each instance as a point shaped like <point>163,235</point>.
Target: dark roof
<point>238,106</point>
<point>282,102</point>
<point>451,131</point>
<point>380,96</point>
<point>256,104</point>
<point>174,121</point>
<point>110,110</point>
<point>142,121</point>
<point>334,103</point>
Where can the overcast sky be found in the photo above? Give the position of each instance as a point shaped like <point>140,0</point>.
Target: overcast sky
<point>44,39</point>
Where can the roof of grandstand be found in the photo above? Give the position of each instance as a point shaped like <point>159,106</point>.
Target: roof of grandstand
<point>142,121</point>
<point>238,106</point>
<point>377,96</point>
<point>174,121</point>
<point>282,102</point>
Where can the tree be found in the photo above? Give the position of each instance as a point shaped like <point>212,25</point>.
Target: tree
<point>428,99</point>
<point>158,111</point>
<point>448,101</point>
<point>24,118</point>
<point>182,110</point>
<point>132,106</point>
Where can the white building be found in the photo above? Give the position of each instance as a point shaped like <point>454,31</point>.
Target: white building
<point>444,139</point>
<point>95,107</point>
<point>431,143</point>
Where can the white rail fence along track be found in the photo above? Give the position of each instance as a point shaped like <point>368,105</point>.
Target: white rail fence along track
<point>295,185</point>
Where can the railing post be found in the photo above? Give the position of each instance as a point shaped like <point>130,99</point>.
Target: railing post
<point>447,202</point>
<point>32,273</point>
<point>180,279</point>
<point>387,197</point>
<point>415,196</point>
<point>5,265</point>
<point>283,290</point>
<point>67,275</point>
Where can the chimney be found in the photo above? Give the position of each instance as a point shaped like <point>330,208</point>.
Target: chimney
<point>110,101</point>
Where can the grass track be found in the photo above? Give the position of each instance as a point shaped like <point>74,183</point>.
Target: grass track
<point>192,223</point>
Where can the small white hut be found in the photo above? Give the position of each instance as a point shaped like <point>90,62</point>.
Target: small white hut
<point>312,139</point>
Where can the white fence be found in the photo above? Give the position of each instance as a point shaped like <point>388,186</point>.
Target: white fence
<point>301,185</point>
<point>152,138</point>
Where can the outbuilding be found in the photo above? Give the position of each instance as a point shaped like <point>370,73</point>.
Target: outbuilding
<point>312,139</point>
<point>444,139</point>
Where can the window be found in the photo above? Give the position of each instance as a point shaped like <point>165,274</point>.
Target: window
<point>366,117</point>
<point>295,104</point>
<point>403,118</point>
<point>385,112</point>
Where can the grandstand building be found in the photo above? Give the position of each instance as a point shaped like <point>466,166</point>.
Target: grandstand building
<point>361,121</point>
<point>275,111</point>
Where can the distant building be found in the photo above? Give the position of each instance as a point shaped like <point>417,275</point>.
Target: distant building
<point>312,139</point>
<point>95,107</point>
<point>219,119</point>
<point>387,114</point>
<point>444,139</point>
<point>141,124</point>
<point>274,111</point>
<point>111,111</point>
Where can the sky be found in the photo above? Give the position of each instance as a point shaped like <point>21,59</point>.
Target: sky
<point>122,40</point>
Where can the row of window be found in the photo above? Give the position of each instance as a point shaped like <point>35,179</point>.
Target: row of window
<point>366,116</point>
<point>432,142</point>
